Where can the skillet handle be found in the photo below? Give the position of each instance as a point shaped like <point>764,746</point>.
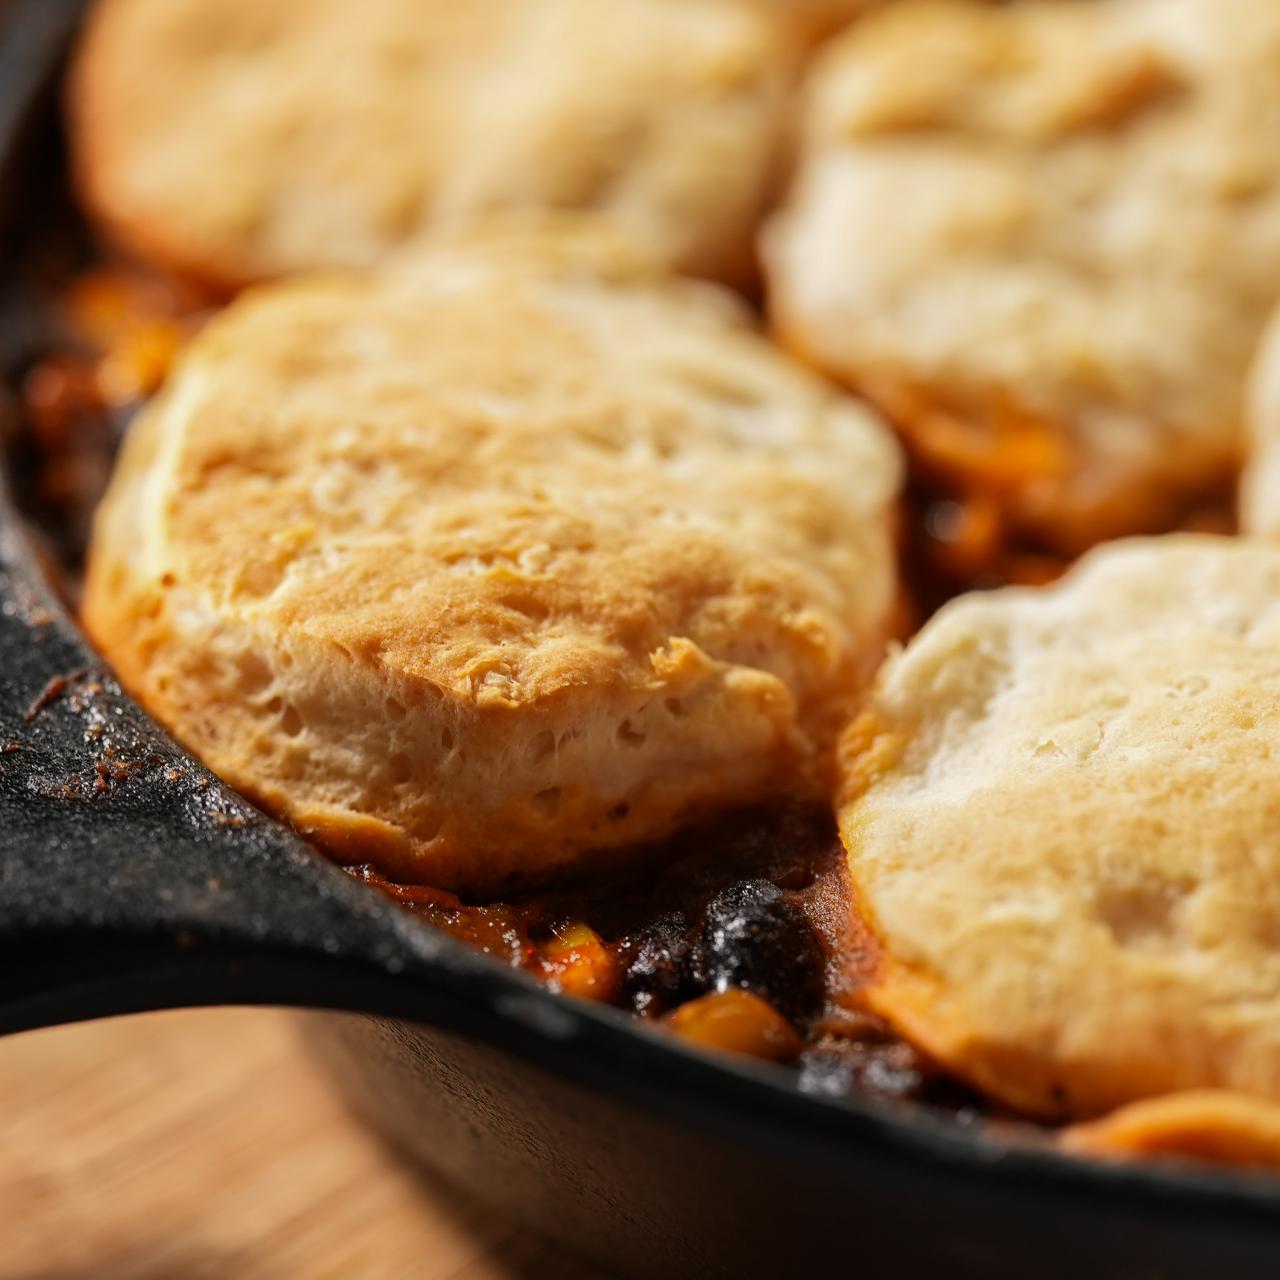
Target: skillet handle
<point>131,878</point>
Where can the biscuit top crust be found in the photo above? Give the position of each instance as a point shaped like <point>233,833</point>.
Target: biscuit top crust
<point>517,551</point>
<point>235,140</point>
<point>1062,815</point>
<point>1046,214</point>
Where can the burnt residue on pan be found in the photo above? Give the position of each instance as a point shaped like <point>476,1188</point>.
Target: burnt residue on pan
<point>735,924</point>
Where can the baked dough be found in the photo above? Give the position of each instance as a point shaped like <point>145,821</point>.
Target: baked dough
<point>1044,237</point>
<point>510,556</point>
<point>233,140</point>
<point>1062,815</point>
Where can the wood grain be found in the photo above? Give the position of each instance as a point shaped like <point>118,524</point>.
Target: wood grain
<point>193,1145</point>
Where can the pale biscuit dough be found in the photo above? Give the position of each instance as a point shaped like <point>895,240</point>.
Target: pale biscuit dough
<point>1062,814</point>
<point>510,556</point>
<point>234,140</point>
<point>1044,237</point>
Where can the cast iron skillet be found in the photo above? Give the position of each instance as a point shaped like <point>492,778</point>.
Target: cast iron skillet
<point>131,879</point>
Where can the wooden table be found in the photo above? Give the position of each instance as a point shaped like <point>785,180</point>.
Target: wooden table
<point>194,1145</point>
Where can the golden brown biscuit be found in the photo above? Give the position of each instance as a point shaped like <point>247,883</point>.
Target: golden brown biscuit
<point>1062,816</point>
<point>1044,237</point>
<point>233,140</point>
<point>1224,1128</point>
<point>497,560</point>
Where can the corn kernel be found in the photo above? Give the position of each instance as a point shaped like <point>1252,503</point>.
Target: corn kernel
<point>736,1022</point>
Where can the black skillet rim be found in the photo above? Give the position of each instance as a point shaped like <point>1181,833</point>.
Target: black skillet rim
<point>610,1052</point>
